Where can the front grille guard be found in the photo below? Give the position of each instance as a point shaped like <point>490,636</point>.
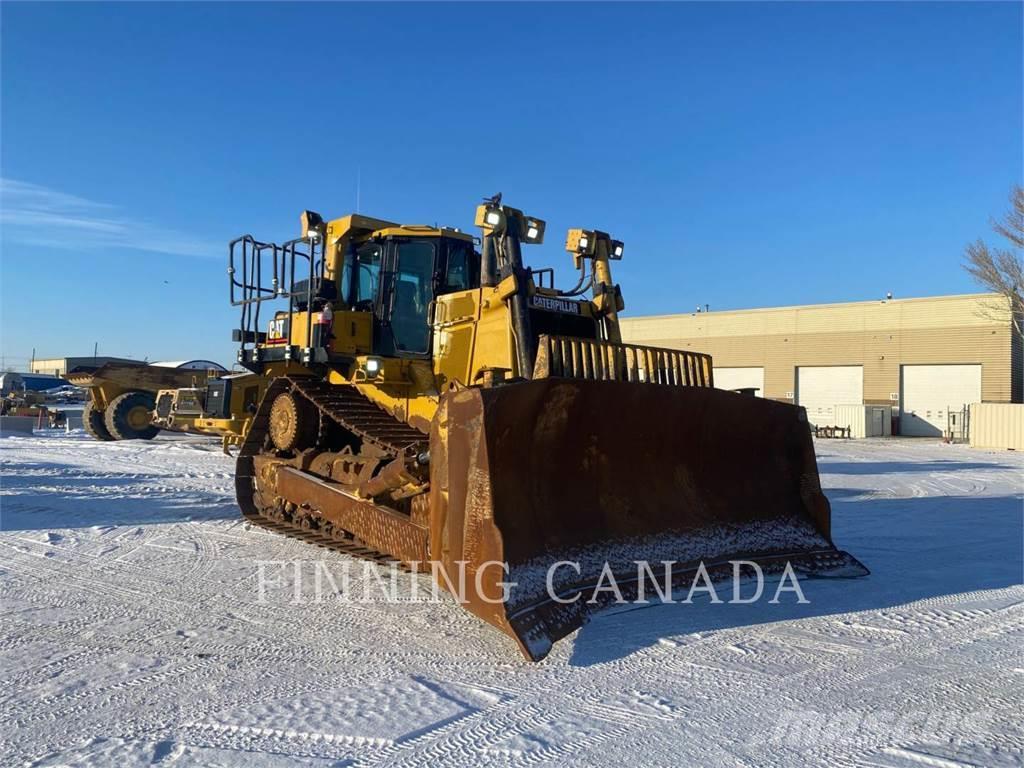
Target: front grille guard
<point>563,357</point>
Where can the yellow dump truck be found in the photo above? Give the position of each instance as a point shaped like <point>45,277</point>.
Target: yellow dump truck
<point>224,407</point>
<point>122,396</point>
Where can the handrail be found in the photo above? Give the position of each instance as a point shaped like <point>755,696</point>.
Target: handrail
<point>246,288</point>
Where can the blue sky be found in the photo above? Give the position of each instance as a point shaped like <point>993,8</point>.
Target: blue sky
<point>748,155</point>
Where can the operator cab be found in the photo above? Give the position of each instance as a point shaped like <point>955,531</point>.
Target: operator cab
<point>382,277</point>
<point>397,274</point>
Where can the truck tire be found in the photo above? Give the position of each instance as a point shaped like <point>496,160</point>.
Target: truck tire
<point>128,416</point>
<point>92,420</point>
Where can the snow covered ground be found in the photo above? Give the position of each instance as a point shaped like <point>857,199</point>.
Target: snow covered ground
<point>133,634</point>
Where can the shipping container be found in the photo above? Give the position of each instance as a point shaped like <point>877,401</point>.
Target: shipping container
<point>997,425</point>
<point>864,420</point>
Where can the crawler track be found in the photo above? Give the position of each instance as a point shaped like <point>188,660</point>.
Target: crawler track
<point>320,539</point>
<point>347,407</point>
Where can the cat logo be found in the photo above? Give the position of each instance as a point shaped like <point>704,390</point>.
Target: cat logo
<point>555,305</point>
<point>278,330</point>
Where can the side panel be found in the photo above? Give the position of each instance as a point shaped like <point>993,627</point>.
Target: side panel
<point>493,345</point>
<point>455,332</point>
<point>353,333</point>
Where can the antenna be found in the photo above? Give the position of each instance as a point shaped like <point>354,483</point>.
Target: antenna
<point>359,180</point>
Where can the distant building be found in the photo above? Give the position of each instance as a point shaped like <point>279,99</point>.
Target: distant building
<point>192,365</point>
<point>927,357</point>
<point>59,366</point>
<point>38,382</point>
<point>11,382</point>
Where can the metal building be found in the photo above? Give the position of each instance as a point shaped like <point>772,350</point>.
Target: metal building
<point>928,358</point>
<point>59,366</point>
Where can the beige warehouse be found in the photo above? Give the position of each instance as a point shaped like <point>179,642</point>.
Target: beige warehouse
<point>924,351</point>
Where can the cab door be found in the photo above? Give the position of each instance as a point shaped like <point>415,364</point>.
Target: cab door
<point>456,312</point>
<point>407,294</point>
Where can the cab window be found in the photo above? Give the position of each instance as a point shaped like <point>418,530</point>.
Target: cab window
<point>369,260</point>
<point>413,294</point>
<point>459,272</point>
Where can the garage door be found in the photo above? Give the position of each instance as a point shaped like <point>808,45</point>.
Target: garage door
<point>740,378</point>
<point>820,389</point>
<point>927,392</point>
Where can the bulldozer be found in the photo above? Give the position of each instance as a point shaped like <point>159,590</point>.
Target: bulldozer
<point>431,399</point>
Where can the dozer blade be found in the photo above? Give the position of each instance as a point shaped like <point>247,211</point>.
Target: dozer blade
<point>593,472</point>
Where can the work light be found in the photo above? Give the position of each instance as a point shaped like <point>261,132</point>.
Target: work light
<point>533,230</point>
<point>581,242</point>
<point>312,222</point>
<point>490,216</point>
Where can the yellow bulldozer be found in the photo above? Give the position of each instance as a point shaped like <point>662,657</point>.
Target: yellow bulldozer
<point>432,402</point>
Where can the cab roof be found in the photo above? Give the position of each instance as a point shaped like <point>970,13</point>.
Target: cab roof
<point>355,224</point>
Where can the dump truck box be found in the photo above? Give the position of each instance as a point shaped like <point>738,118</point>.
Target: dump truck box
<point>123,377</point>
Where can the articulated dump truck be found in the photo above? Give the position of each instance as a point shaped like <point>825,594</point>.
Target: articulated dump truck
<point>434,403</point>
<point>122,397</point>
<point>223,408</point>
<point>135,401</point>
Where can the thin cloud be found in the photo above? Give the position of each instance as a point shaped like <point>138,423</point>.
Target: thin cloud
<point>36,215</point>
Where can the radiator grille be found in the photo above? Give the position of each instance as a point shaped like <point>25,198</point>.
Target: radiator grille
<point>562,357</point>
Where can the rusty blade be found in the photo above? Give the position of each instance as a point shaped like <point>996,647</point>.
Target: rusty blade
<point>596,472</point>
